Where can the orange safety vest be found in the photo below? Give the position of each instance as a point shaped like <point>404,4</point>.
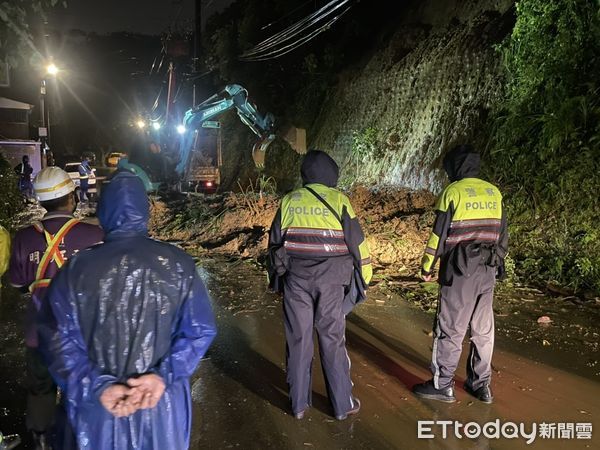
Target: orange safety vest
<point>51,254</point>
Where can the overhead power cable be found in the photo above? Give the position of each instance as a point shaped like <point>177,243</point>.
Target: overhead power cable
<point>297,28</point>
<point>283,43</point>
<point>292,30</point>
<point>157,99</point>
<point>298,43</point>
<point>286,15</point>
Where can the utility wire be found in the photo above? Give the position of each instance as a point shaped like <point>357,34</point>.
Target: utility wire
<point>157,98</point>
<point>278,37</point>
<point>287,15</point>
<point>260,52</point>
<point>294,29</point>
<point>287,49</point>
<point>161,55</point>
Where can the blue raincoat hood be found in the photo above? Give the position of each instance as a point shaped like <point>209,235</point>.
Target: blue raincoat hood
<point>124,205</point>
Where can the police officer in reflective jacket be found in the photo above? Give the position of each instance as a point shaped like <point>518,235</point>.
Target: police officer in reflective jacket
<point>469,238</point>
<point>315,245</point>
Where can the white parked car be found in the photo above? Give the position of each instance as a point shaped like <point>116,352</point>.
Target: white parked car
<point>72,169</point>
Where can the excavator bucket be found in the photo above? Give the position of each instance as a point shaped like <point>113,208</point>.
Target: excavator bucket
<point>296,137</point>
<point>260,148</point>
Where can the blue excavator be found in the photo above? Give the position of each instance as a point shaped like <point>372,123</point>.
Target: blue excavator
<point>233,96</point>
<point>202,171</point>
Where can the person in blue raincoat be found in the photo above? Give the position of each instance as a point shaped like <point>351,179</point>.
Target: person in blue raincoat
<point>125,326</point>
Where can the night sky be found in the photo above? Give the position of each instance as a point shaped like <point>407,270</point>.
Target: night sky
<point>137,16</point>
<point>104,80</point>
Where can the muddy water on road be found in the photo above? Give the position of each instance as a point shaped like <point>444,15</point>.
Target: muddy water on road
<point>240,397</point>
<point>240,393</point>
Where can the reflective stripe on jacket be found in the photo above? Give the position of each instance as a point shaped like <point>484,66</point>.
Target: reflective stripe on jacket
<point>308,229</point>
<point>52,253</point>
<point>467,211</point>
<point>84,171</point>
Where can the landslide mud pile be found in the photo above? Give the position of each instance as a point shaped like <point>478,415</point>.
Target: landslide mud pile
<point>396,222</point>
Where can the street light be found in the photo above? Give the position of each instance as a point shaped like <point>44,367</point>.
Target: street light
<point>43,132</point>
<point>180,129</point>
<point>51,69</point>
<point>140,124</point>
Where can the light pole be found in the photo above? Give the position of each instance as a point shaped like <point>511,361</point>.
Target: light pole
<point>52,70</point>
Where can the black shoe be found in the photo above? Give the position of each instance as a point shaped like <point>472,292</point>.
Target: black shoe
<point>353,411</point>
<point>41,441</point>
<point>483,394</point>
<point>428,390</point>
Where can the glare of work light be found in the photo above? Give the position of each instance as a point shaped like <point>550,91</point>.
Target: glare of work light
<point>140,123</point>
<point>156,126</point>
<point>52,69</point>
<point>180,129</point>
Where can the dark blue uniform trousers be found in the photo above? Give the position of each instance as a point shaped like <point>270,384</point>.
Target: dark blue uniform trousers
<point>310,304</point>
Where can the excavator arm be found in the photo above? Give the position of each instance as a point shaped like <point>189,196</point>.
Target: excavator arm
<point>233,96</point>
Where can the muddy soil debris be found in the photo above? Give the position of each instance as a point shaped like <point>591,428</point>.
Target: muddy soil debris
<point>396,222</point>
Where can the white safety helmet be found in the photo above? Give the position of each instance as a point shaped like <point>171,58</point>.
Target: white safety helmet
<point>51,183</point>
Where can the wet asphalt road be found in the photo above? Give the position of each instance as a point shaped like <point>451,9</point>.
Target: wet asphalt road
<point>240,395</point>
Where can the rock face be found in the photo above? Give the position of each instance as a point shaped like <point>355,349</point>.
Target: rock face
<point>428,89</point>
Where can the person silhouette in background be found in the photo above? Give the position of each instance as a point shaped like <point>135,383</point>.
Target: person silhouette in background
<point>24,172</point>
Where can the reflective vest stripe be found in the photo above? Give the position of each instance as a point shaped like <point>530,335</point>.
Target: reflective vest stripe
<point>475,223</point>
<point>327,248</point>
<point>51,254</point>
<point>475,235</point>
<point>320,232</point>
<point>84,169</point>
<point>38,284</point>
<point>57,257</point>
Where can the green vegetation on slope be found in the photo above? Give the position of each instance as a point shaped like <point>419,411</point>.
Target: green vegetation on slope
<point>545,150</point>
<point>543,133</point>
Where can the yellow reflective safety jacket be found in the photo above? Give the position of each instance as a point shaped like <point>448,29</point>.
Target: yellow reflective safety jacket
<point>4,251</point>
<point>468,211</point>
<point>305,228</point>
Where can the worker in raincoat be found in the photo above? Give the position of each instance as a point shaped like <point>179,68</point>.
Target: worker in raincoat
<point>316,249</point>
<point>125,327</point>
<point>470,240</point>
<point>38,252</point>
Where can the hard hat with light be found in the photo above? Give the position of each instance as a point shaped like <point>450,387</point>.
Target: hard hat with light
<point>52,183</point>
